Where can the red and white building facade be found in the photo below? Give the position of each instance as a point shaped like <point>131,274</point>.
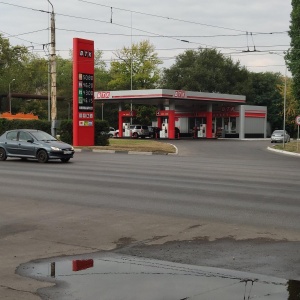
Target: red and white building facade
<point>204,115</point>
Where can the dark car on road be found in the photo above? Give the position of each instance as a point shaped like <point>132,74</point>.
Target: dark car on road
<point>154,132</point>
<point>36,144</point>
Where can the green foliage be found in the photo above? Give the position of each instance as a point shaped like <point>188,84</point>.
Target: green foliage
<point>101,130</point>
<point>28,124</point>
<point>206,70</point>
<point>265,92</point>
<point>110,113</point>
<point>37,107</point>
<point>66,131</point>
<point>101,127</point>
<point>292,105</point>
<point>145,114</point>
<point>142,60</point>
<point>102,76</point>
<point>64,79</point>
<point>293,55</point>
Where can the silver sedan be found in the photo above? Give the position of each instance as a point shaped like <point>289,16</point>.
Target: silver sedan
<point>279,135</point>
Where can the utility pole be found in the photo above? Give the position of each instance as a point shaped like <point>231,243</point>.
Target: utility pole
<point>9,94</point>
<point>53,74</point>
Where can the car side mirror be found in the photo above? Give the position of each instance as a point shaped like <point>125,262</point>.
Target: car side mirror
<point>30,141</point>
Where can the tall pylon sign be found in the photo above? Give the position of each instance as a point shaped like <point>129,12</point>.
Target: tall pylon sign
<point>83,93</point>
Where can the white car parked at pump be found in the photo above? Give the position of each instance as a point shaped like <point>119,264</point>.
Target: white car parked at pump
<point>112,132</point>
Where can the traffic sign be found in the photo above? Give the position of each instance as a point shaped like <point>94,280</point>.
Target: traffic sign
<point>298,120</point>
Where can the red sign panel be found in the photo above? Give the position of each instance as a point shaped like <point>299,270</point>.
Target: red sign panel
<point>103,95</point>
<point>83,92</point>
<point>162,113</point>
<point>127,113</point>
<point>179,94</point>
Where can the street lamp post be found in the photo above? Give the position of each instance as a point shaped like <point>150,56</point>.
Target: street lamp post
<point>9,94</point>
<point>53,74</point>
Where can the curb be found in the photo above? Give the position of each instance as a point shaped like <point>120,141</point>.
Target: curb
<point>125,152</point>
<point>283,152</point>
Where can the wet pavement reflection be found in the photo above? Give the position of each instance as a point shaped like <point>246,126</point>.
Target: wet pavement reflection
<point>114,277</point>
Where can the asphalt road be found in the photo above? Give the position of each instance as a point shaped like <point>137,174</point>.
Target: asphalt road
<point>234,182</point>
<point>212,191</point>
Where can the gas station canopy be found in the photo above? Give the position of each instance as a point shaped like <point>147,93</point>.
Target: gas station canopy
<point>163,97</point>
<point>208,114</point>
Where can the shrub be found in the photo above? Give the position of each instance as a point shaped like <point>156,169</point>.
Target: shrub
<point>65,130</point>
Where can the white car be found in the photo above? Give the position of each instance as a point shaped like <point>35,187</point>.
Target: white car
<point>112,132</point>
<point>278,135</point>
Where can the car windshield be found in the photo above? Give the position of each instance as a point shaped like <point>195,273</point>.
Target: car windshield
<point>43,136</point>
<point>278,131</point>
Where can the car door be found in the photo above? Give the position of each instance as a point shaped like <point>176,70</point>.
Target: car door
<point>26,145</point>
<point>11,143</point>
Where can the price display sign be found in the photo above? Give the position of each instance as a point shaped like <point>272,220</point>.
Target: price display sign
<point>83,93</point>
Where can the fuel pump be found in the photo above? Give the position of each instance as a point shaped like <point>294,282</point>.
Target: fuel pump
<point>164,130</point>
<point>126,129</point>
<point>195,132</point>
<point>202,131</point>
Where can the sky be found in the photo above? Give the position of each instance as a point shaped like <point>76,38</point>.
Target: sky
<point>255,32</point>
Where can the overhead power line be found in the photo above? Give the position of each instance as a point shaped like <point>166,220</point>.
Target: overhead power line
<point>149,34</point>
<point>162,17</point>
<point>24,7</point>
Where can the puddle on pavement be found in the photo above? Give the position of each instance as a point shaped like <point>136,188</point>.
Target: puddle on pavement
<point>109,276</point>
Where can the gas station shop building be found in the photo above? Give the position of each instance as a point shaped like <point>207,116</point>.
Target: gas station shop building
<point>207,115</point>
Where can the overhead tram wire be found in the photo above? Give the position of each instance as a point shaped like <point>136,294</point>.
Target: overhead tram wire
<point>155,35</point>
<point>170,36</point>
<point>124,26</point>
<point>24,7</point>
<point>153,15</point>
<point>181,20</point>
<point>24,33</point>
<point>201,45</point>
<point>162,17</point>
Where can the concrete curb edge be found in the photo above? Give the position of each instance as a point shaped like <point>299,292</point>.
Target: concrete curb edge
<point>283,152</point>
<point>126,152</point>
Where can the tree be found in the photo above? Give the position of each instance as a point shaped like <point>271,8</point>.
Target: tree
<point>293,55</point>
<point>11,66</point>
<point>264,91</point>
<point>292,105</point>
<point>206,70</point>
<point>102,75</point>
<point>141,62</point>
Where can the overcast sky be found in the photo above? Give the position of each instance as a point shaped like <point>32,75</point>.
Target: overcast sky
<point>231,26</point>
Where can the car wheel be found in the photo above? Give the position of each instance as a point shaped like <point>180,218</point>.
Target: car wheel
<point>135,135</point>
<point>3,155</point>
<point>64,160</point>
<point>117,135</point>
<point>42,156</point>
